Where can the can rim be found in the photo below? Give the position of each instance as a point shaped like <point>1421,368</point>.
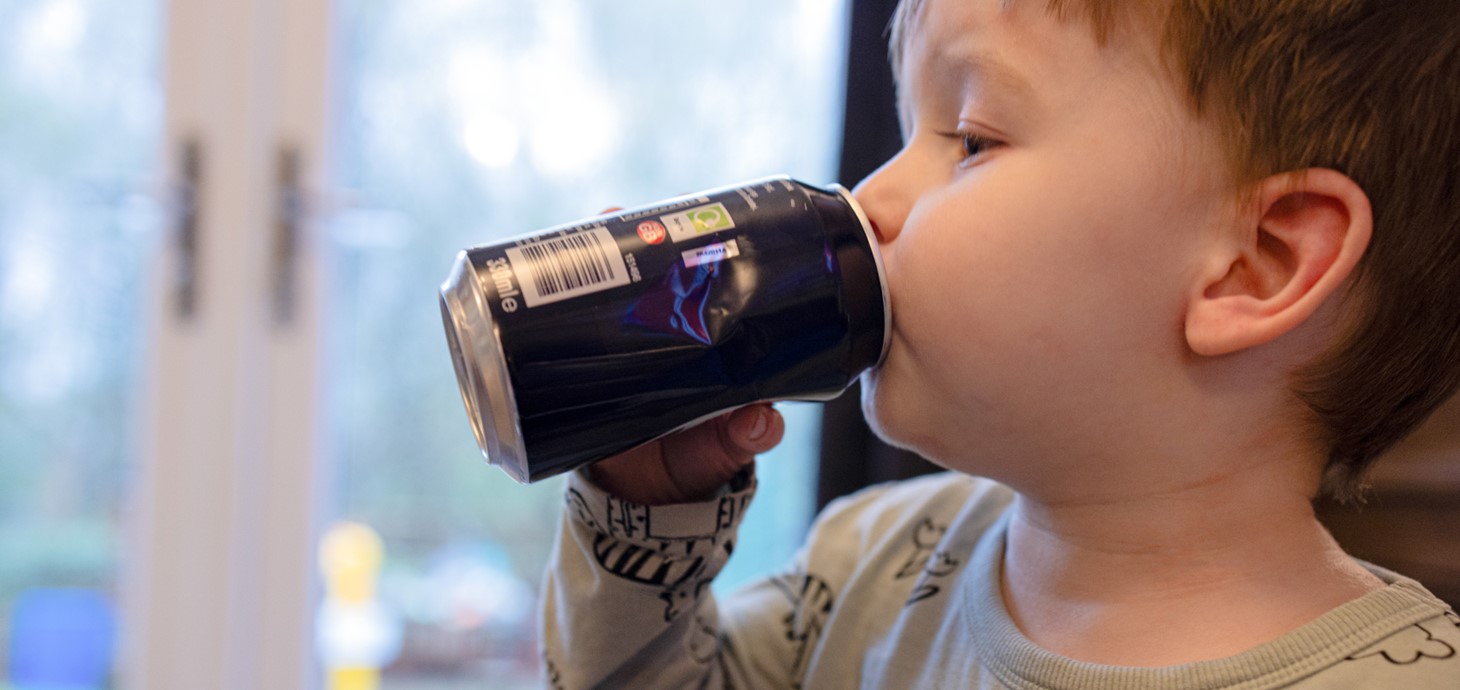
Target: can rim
<point>882,286</point>
<point>481,370</point>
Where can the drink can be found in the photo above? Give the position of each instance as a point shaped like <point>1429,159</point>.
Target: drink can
<point>585,340</point>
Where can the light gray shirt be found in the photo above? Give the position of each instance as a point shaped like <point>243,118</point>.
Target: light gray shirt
<point>898,587</point>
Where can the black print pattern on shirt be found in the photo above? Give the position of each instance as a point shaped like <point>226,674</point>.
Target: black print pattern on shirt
<point>704,641</point>
<point>627,520</point>
<point>634,521</point>
<point>927,560</point>
<point>811,600</point>
<point>578,509</point>
<point>1408,646</point>
<point>679,564</point>
<point>679,597</point>
<point>682,579</point>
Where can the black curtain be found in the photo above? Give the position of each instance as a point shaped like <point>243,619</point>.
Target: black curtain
<point>851,456</point>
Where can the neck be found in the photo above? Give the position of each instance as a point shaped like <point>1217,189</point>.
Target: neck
<point>1158,576</point>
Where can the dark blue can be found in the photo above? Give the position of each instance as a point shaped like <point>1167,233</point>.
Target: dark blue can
<point>585,340</point>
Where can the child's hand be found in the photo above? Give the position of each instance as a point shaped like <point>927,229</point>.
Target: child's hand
<point>691,465</point>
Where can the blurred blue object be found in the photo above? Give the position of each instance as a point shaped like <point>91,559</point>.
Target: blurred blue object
<point>61,639</point>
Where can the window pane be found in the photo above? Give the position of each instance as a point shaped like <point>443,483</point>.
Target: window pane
<point>80,121</point>
<point>462,123</point>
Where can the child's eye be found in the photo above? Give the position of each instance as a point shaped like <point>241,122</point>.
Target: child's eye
<point>973,145</point>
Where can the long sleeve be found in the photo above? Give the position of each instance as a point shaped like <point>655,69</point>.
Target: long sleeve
<point>627,601</point>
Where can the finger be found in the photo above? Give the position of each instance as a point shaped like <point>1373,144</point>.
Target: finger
<point>701,459</point>
<point>638,475</point>
<point>755,429</point>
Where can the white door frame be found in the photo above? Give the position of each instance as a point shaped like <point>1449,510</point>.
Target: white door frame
<point>226,511</point>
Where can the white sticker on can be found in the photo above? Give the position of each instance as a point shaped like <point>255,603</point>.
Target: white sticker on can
<point>568,266</point>
<point>711,253</point>
<point>698,222</point>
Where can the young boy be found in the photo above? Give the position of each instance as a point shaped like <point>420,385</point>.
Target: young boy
<point>1161,272</point>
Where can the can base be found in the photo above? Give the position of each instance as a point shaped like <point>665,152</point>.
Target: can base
<point>481,370</point>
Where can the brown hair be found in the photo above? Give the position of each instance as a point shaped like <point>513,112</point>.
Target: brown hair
<point>1370,88</point>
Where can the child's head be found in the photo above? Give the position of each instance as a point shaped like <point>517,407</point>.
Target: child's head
<point>1311,117</point>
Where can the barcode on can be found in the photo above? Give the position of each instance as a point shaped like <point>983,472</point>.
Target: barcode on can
<point>572,265</point>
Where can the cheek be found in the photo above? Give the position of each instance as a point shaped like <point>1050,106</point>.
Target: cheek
<point>984,283</point>
<point>947,328</point>
<point>1009,297</point>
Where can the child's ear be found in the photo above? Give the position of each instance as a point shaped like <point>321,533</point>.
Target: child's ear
<point>1295,248</point>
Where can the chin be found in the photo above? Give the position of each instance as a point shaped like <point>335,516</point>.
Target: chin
<point>883,415</point>
<point>901,420</point>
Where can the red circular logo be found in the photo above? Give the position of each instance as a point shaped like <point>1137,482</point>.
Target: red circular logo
<point>651,231</point>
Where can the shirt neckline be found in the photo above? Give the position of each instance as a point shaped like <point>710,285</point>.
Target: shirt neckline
<point>1020,663</point>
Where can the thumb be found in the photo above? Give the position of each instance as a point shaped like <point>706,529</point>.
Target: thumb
<point>721,447</point>
<point>754,429</point>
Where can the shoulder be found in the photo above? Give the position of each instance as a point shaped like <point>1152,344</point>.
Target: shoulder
<point>944,493</point>
<point>1402,636</point>
<point>1424,655</point>
<point>922,509</point>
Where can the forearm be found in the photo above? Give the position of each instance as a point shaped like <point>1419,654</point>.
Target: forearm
<point>627,601</point>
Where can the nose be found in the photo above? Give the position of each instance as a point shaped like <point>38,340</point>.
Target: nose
<point>885,198</point>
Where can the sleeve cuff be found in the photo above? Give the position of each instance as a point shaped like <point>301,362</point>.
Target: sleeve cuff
<point>704,522</point>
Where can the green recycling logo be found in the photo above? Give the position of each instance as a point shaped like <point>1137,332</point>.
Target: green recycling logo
<point>712,218</point>
<point>697,222</point>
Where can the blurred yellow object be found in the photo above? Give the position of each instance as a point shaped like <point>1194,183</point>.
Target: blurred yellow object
<point>354,679</point>
<point>350,556</point>
<point>356,634</point>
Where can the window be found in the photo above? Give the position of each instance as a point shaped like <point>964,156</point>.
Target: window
<point>80,120</point>
<point>466,123</point>
<point>228,418</point>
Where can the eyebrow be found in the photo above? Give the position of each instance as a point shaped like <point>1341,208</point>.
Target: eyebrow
<point>1004,83</point>
<point>988,68</point>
